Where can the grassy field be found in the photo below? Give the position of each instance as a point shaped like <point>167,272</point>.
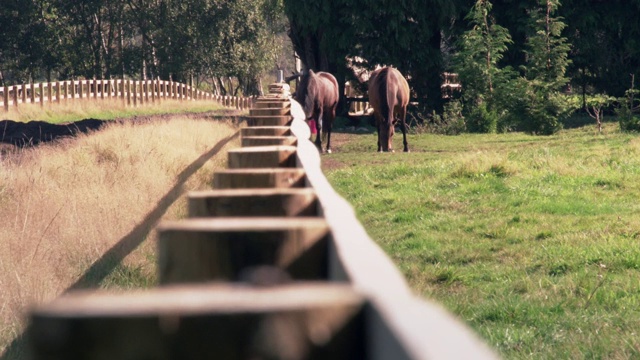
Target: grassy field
<point>533,241</point>
<point>80,213</point>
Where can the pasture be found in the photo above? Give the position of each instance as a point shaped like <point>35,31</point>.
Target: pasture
<point>80,213</point>
<point>533,241</point>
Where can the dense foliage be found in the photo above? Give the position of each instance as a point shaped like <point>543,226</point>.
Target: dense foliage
<point>532,50</point>
<point>407,34</point>
<point>543,48</point>
<point>207,39</point>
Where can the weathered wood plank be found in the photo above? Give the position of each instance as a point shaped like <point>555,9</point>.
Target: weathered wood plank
<point>272,97</point>
<point>253,202</point>
<point>269,111</point>
<point>272,120</point>
<point>262,157</point>
<point>259,178</point>
<point>302,321</point>
<point>266,131</point>
<point>272,104</point>
<point>196,250</point>
<point>248,141</point>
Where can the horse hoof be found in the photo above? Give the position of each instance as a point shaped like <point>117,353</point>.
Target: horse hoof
<point>328,151</point>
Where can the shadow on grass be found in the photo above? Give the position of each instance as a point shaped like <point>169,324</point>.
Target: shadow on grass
<point>102,267</point>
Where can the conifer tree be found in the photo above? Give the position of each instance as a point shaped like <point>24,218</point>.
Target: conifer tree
<point>477,63</point>
<point>540,100</point>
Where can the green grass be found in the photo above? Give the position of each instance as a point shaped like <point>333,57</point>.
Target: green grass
<point>533,241</point>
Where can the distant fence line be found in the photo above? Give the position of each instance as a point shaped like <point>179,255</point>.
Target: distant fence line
<point>131,92</point>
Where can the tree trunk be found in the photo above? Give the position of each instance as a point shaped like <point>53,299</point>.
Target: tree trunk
<point>223,90</point>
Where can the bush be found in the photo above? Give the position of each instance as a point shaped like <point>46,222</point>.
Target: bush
<point>482,120</point>
<point>451,122</point>
<point>628,121</point>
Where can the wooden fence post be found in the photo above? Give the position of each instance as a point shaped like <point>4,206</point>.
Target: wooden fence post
<point>137,90</point>
<point>15,96</point>
<point>128,87</point>
<point>195,250</point>
<point>286,202</point>
<point>153,91</point>
<point>42,97</point>
<point>121,92</point>
<point>73,90</point>
<point>58,91</point>
<point>204,321</point>
<point>24,93</point>
<point>5,93</point>
<point>32,97</point>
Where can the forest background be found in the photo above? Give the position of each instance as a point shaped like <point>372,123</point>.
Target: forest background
<point>589,47</point>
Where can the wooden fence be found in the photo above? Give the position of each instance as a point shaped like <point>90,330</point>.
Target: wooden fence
<point>271,264</point>
<point>131,93</point>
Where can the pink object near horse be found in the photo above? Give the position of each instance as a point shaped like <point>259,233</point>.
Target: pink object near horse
<point>318,95</point>
<point>312,126</point>
<point>389,97</point>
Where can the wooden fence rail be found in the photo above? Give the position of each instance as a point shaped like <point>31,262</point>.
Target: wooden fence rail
<point>130,92</point>
<point>271,264</point>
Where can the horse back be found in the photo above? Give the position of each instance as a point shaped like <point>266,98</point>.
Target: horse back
<point>330,88</point>
<point>388,89</point>
<point>399,87</point>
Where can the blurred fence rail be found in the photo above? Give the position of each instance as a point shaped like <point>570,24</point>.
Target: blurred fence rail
<point>130,92</point>
<point>269,264</point>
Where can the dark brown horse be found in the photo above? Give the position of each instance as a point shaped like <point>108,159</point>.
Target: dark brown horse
<point>389,97</point>
<point>318,95</point>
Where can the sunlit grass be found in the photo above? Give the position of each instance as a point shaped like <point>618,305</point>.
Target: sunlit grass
<point>65,204</point>
<point>533,241</point>
<point>106,109</point>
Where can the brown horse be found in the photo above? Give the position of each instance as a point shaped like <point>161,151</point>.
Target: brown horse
<point>318,95</point>
<point>389,97</point>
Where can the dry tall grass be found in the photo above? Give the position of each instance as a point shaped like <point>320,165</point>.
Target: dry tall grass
<point>102,109</point>
<point>64,205</point>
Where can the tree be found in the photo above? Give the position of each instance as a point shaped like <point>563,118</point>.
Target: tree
<point>595,105</point>
<point>539,99</point>
<point>406,34</point>
<point>479,51</point>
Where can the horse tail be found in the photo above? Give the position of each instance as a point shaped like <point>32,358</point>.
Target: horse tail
<point>383,93</point>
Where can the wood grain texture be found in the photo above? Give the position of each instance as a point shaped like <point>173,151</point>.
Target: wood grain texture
<point>301,321</point>
<point>281,120</point>
<point>253,202</point>
<point>262,157</point>
<point>248,141</point>
<point>266,131</point>
<point>259,178</point>
<point>226,249</point>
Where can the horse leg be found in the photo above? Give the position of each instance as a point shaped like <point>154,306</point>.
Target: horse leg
<point>378,124</point>
<point>329,125</point>
<point>391,129</point>
<point>319,131</point>
<point>403,126</point>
